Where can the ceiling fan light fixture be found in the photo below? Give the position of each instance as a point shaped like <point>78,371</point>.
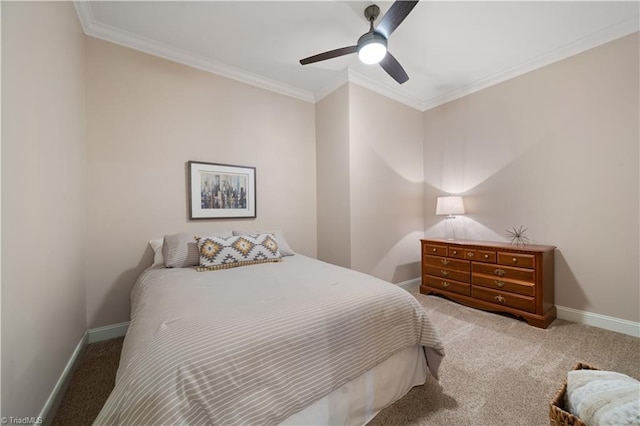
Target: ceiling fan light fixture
<point>372,45</point>
<point>372,48</point>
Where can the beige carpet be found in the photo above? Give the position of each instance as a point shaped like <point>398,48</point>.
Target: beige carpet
<point>497,370</point>
<point>91,384</point>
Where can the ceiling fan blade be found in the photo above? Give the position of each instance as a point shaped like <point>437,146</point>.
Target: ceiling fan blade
<point>394,16</point>
<point>328,55</point>
<point>391,65</point>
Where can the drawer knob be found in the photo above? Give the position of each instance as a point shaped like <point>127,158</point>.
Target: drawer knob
<point>470,254</point>
<point>444,272</point>
<point>445,284</point>
<point>486,256</point>
<point>500,272</point>
<point>455,252</point>
<point>500,299</point>
<point>434,250</point>
<point>500,283</point>
<point>445,261</point>
<point>515,260</point>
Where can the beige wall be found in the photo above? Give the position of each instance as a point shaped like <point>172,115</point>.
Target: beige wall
<point>334,189</point>
<point>43,199</point>
<point>387,186</point>
<point>146,117</point>
<point>370,183</point>
<point>555,150</point>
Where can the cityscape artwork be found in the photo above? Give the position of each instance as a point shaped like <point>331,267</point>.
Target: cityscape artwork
<point>221,191</point>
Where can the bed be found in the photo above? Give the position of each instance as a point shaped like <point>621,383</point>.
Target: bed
<point>299,341</point>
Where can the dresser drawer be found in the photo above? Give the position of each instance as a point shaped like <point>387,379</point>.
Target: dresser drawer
<point>516,259</point>
<point>480,255</point>
<point>448,285</point>
<point>520,287</point>
<point>486,256</point>
<point>504,298</point>
<point>444,262</point>
<point>470,254</point>
<point>457,252</point>
<point>506,272</point>
<point>447,273</point>
<point>436,250</point>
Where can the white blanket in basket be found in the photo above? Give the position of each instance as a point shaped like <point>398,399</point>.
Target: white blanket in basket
<point>603,397</point>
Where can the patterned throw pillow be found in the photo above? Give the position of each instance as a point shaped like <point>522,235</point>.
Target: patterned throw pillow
<point>283,245</point>
<point>229,252</point>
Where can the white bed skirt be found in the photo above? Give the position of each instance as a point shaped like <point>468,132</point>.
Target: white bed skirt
<point>358,401</point>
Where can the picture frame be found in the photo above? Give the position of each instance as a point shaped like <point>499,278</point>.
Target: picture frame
<point>221,191</point>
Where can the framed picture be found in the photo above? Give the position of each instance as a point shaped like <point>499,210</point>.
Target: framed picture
<point>221,191</point>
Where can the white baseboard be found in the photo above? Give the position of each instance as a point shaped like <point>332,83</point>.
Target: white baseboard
<point>631,328</point>
<point>90,336</point>
<point>100,334</point>
<point>410,284</point>
<point>55,398</point>
<point>603,321</point>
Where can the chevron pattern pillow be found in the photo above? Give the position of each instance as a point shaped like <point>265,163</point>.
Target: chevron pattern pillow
<point>240,250</point>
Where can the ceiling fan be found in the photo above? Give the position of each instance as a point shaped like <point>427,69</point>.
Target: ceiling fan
<point>372,46</point>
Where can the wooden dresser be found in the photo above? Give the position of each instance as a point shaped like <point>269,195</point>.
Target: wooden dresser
<point>492,276</point>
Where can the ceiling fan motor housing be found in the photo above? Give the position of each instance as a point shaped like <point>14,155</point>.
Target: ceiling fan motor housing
<point>371,12</point>
<point>371,37</point>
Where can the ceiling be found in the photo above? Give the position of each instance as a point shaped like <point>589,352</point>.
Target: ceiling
<point>449,49</point>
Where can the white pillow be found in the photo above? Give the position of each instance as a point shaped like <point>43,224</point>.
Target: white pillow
<point>283,246</point>
<point>156,246</point>
<point>603,397</point>
<point>181,251</point>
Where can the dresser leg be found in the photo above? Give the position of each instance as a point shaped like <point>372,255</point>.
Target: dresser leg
<point>542,321</point>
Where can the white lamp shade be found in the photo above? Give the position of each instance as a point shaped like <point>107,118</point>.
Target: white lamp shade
<point>449,205</point>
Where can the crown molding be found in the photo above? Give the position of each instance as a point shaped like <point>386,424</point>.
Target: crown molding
<point>143,44</point>
<point>124,38</point>
<point>84,13</point>
<point>354,77</point>
<point>591,41</point>
<point>390,92</point>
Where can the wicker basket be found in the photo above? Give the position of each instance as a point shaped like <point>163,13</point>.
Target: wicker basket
<point>558,415</point>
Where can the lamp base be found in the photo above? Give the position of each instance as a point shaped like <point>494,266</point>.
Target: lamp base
<point>449,228</point>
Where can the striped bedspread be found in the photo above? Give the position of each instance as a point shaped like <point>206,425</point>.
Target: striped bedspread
<point>255,344</point>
